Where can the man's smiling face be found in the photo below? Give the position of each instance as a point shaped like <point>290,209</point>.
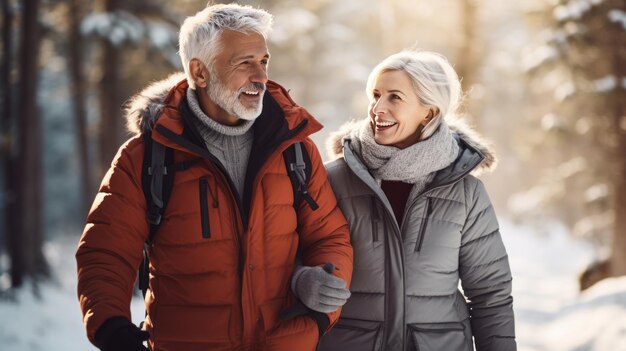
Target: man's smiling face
<point>238,77</point>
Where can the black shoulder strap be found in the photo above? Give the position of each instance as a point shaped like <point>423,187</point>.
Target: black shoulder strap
<point>298,163</point>
<point>157,181</point>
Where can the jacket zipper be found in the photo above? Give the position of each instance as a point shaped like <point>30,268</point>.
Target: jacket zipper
<point>375,220</point>
<point>422,232</point>
<point>204,210</point>
<point>426,191</point>
<point>398,234</point>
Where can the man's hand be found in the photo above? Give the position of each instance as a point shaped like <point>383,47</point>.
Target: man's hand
<point>119,334</point>
<point>319,290</point>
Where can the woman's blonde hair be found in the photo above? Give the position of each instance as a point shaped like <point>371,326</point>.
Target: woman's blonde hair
<point>435,82</point>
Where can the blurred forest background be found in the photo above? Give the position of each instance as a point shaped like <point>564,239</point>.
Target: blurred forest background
<point>545,80</point>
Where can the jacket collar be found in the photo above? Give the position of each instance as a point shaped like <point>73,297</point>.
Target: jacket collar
<point>162,109</point>
<point>468,160</point>
<point>469,140</point>
<point>282,121</point>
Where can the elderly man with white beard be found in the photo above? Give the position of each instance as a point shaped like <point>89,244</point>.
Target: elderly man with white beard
<point>221,244</point>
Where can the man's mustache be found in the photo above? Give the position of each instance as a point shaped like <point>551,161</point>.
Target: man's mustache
<point>260,87</point>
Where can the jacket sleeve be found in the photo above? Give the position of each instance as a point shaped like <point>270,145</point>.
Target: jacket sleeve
<point>324,235</point>
<point>485,273</point>
<point>110,249</point>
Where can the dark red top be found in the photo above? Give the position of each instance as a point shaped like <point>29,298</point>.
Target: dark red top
<point>397,193</point>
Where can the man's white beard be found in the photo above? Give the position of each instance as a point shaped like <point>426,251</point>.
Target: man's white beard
<point>228,100</point>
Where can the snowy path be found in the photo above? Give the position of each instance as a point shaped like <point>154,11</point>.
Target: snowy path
<point>53,323</point>
<point>551,316</point>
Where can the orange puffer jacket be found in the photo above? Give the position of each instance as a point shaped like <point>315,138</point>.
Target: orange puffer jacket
<point>223,292</point>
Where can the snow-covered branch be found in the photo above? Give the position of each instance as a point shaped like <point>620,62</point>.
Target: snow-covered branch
<point>618,16</point>
<point>118,27</point>
<point>574,9</point>
<point>605,84</point>
<point>539,57</point>
<point>122,27</point>
<point>565,91</point>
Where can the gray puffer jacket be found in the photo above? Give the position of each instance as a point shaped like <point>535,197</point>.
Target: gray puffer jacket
<point>405,283</point>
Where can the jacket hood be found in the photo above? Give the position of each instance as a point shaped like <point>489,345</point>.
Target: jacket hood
<point>334,143</point>
<point>143,109</point>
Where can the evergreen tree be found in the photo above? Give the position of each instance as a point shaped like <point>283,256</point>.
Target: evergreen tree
<point>580,60</point>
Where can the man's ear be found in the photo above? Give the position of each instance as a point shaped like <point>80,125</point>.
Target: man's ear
<point>199,73</point>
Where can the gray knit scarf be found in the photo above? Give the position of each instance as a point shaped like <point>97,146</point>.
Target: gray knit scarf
<point>416,164</point>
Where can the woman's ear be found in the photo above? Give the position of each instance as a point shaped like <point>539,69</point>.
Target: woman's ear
<point>432,112</point>
<point>435,111</point>
<point>427,118</point>
<point>199,73</point>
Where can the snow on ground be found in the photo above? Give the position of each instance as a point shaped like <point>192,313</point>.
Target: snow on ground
<point>596,321</point>
<point>53,322</point>
<point>550,313</point>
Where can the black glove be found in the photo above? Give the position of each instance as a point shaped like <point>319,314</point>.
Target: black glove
<point>119,334</point>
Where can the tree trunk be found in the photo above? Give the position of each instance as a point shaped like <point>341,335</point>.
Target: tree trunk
<point>7,59</point>
<point>30,147</point>
<point>618,250</point>
<point>11,224</point>
<point>466,63</point>
<point>466,53</point>
<point>618,111</point>
<point>12,180</point>
<point>110,102</point>
<point>78,102</point>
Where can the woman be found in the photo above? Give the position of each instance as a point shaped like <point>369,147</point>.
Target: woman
<point>419,220</point>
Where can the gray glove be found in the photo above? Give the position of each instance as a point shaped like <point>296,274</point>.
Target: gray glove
<point>319,290</point>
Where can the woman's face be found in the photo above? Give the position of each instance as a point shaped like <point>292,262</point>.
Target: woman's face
<point>396,112</point>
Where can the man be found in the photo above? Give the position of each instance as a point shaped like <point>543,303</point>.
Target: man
<point>222,264</point>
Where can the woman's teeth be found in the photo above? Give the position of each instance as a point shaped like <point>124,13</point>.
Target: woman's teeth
<point>385,124</point>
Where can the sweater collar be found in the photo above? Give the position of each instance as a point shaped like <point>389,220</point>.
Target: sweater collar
<point>194,105</point>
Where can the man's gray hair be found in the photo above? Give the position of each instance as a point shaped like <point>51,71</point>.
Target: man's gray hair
<point>200,34</point>
<point>435,82</point>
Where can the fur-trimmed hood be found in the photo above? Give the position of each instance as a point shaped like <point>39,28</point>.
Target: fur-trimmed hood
<point>334,143</point>
<point>144,108</point>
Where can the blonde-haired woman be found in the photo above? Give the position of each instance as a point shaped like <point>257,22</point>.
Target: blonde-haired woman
<point>420,220</point>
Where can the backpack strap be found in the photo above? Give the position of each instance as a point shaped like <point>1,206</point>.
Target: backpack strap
<point>158,173</point>
<point>299,169</point>
<point>157,181</point>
